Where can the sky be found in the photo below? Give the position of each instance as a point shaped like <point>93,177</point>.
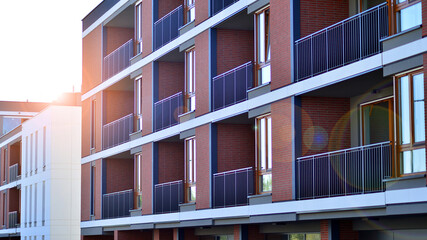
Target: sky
<point>40,48</point>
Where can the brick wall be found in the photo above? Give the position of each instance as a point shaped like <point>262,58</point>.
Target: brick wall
<point>117,104</point>
<point>234,48</point>
<point>2,200</point>
<point>85,197</point>
<point>98,122</point>
<point>117,36</point>
<point>236,146</point>
<point>15,154</point>
<point>147,25</point>
<point>171,161</point>
<point>324,229</point>
<point>202,10</point>
<point>147,99</point>
<point>236,232</point>
<point>424,18</point>
<point>280,44</point>
<point>13,199</point>
<point>171,78</point>
<point>346,230</point>
<point>202,72</point>
<point>92,59</point>
<point>163,234</point>
<point>133,235</point>
<point>166,6</point>
<point>318,14</point>
<point>85,127</point>
<point>119,174</point>
<point>189,234</point>
<point>2,165</point>
<point>202,167</point>
<point>325,124</point>
<point>97,187</point>
<point>147,178</point>
<point>253,232</point>
<point>281,122</point>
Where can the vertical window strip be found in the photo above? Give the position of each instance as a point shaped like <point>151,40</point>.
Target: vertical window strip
<point>44,148</point>
<point>43,203</point>
<point>26,156</point>
<point>36,151</point>
<point>35,205</point>
<point>31,155</point>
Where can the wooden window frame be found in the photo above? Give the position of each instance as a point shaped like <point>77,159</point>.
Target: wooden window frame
<point>412,145</point>
<point>259,64</point>
<point>190,183</point>
<point>138,28</point>
<point>189,5</point>
<point>138,181</point>
<point>190,89</point>
<point>268,169</point>
<point>394,8</point>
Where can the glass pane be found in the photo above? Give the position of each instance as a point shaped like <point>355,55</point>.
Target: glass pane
<point>192,14</point>
<point>312,236</point>
<point>265,74</point>
<point>418,86</point>
<point>296,236</point>
<point>267,20</point>
<point>261,39</point>
<point>266,183</point>
<point>401,1</point>
<point>138,172</point>
<point>192,193</point>
<point>192,103</point>
<point>419,160</point>
<point>269,143</point>
<point>262,150</point>
<point>404,111</point>
<point>406,162</point>
<point>190,73</point>
<point>409,17</point>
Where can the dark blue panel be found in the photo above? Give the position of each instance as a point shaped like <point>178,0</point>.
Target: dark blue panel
<point>229,89</point>
<point>240,85</point>
<point>242,188</point>
<point>230,190</point>
<point>218,92</point>
<point>219,191</point>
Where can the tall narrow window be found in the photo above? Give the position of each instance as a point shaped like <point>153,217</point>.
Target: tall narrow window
<point>263,50</point>
<point>411,123</point>
<point>6,164</point>
<point>44,148</point>
<point>4,208</point>
<point>138,176</point>
<point>264,153</point>
<point>35,204</point>
<point>191,10</point>
<point>408,14</point>
<point>92,190</point>
<point>190,90</point>
<point>31,154</point>
<point>43,203</point>
<point>92,124</point>
<point>26,156</point>
<point>138,103</point>
<point>190,169</point>
<point>30,204</point>
<point>26,206</point>
<point>138,27</point>
<point>36,151</point>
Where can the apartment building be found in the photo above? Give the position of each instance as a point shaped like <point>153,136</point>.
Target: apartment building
<point>40,170</point>
<point>254,119</point>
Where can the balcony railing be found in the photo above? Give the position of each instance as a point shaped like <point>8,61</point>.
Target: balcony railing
<point>118,60</point>
<point>117,132</point>
<point>13,173</point>
<point>232,188</point>
<point>13,219</point>
<point>231,87</point>
<point>345,172</point>
<point>168,196</point>
<point>166,111</point>
<point>117,204</point>
<point>167,28</point>
<point>345,42</point>
<point>219,5</point>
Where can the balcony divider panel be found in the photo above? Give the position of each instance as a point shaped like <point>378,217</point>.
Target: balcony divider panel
<point>117,204</point>
<point>168,196</point>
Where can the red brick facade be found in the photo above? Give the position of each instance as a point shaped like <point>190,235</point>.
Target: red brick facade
<point>202,167</point>
<point>117,104</point>
<point>202,72</point>
<point>85,203</point>
<point>166,6</point>
<point>324,229</point>
<point>171,161</point>
<point>147,98</point>
<point>234,48</point>
<point>147,182</point>
<point>346,230</point>
<point>133,235</point>
<point>171,78</point>
<point>147,25</point>
<point>116,37</point>
<point>281,122</point>
<point>202,10</point>
<point>119,174</point>
<point>236,146</point>
<point>325,124</point>
<point>92,59</point>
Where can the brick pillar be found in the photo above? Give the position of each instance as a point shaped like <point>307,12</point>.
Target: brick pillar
<point>253,232</point>
<point>203,167</point>
<point>98,188</point>
<point>202,11</point>
<point>147,98</point>
<point>147,25</point>
<point>324,229</point>
<point>202,72</point>
<point>346,230</point>
<point>236,232</point>
<point>147,181</point>
<point>162,234</point>
<point>424,18</point>
<point>281,54</point>
<point>282,136</point>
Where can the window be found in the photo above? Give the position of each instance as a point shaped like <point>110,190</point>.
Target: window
<point>191,10</point>
<point>5,165</point>
<point>92,124</point>
<point>26,156</point>
<point>190,169</point>
<point>408,14</point>
<point>138,173</point>
<point>411,141</point>
<point>36,152</point>
<point>263,50</point>
<point>190,90</point>
<point>43,202</point>
<point>138,27</point>
<point>92,189</point>
<point>264,153</point>
<point>44,148</point>
<point>35,205</point>
<point>138,103</point>
<point>4,209</point>
<point>31,155</point>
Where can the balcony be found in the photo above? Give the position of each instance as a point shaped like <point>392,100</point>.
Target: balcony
<point>231,87</point>
<point>168,196</point>
<point>166,111</point>
<point>118,60</point>
<point>345,42</point>
<point>117,132</point>
<point>13,173</point>
<point>117,204</point>
<point>13,219</point>
<point>232,188</point>
<point>219,5</point>
<point>350,171</point>
<point>166,28</point>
